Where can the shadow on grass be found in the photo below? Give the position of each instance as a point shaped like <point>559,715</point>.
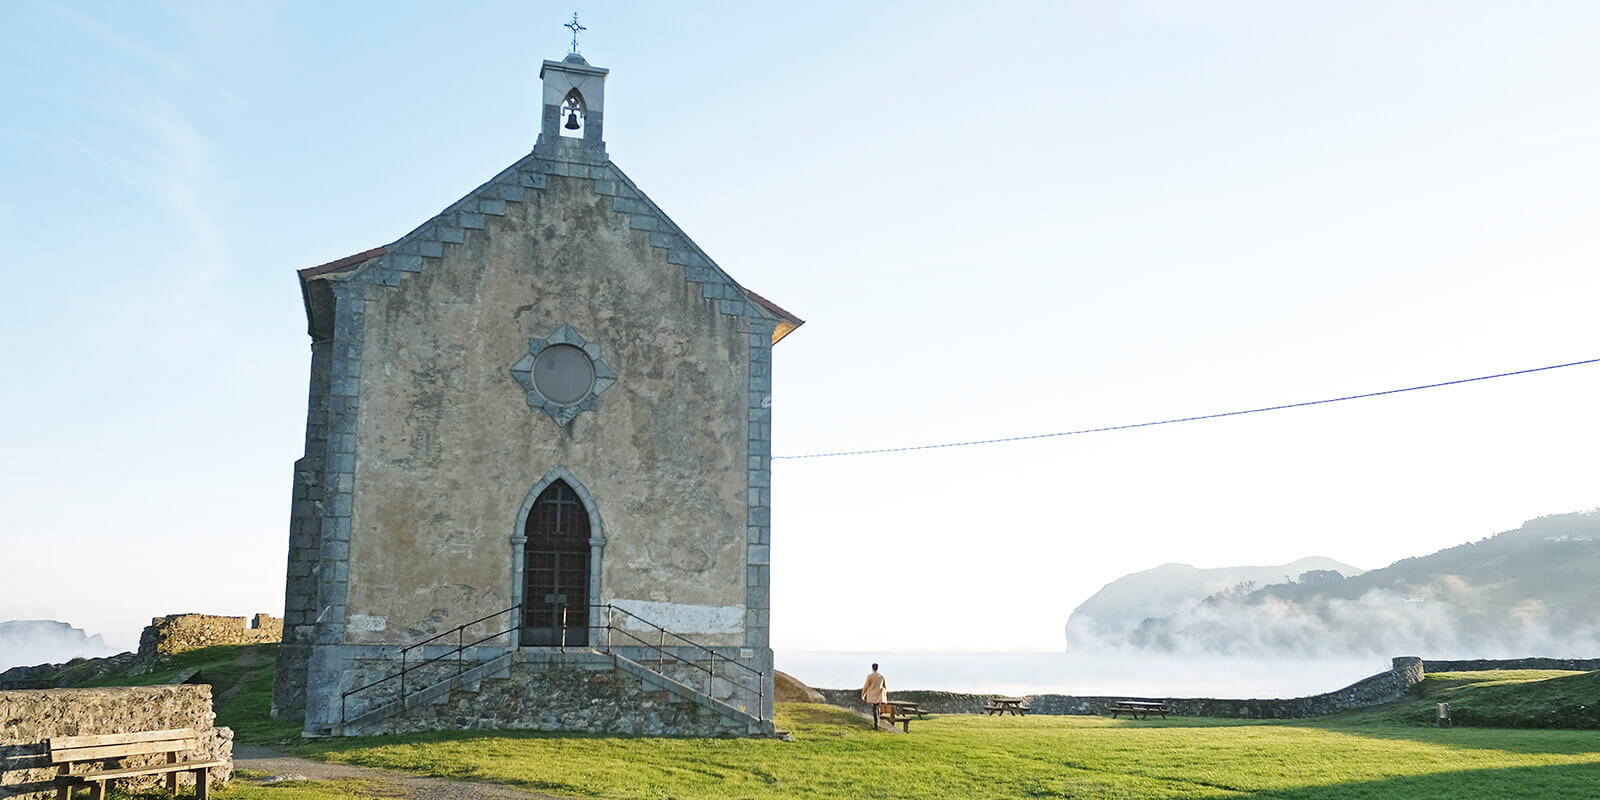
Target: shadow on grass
<point>1557,782</point>
<point>1556,741</point>
<point>1510,740</point>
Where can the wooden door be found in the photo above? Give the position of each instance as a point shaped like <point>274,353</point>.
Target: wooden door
<point>555,569</point>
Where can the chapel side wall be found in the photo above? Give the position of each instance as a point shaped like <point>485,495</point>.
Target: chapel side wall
<point>305,544</point>
<point>447,447</point>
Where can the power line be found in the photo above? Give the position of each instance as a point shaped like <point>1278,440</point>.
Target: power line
<point>1176,420</point>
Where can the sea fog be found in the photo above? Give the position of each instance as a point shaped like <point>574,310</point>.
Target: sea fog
<point>1094,674</point>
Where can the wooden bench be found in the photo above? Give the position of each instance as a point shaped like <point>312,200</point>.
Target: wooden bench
<point>68,750</point>
<point>999,706</point>
<point>1138,709</point>
<point>896,711</point>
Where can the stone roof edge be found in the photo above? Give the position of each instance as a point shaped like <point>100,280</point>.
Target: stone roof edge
<point>388,264</point>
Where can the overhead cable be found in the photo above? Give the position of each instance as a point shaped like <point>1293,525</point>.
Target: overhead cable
<point>1175,420</point>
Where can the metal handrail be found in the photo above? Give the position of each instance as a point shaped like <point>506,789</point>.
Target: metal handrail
<point>665,632</point>
<point>662,653</point>
<point>457,629</point>
<point>459,651</point>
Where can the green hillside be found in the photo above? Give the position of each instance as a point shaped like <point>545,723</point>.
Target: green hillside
<point>241,685</point>
<point>1501,699</point>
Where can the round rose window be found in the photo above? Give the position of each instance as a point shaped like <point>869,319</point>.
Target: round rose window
<point>563,374</point>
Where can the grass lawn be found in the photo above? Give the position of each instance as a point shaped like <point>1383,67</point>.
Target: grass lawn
<point>1384,754</point>
<point>834,756</point>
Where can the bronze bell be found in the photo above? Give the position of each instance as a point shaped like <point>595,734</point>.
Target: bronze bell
<point>572,120</point>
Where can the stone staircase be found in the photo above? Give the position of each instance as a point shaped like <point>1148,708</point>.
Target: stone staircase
<point>546,689</point>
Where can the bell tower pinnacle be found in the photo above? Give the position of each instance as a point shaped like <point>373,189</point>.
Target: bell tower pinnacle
<point>574,106</point>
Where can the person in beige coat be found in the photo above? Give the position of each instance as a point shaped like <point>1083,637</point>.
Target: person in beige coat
<point>875,691</point>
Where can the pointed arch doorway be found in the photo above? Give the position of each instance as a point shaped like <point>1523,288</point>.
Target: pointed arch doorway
<point>556,568</point>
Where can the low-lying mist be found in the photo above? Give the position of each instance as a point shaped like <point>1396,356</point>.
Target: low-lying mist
<point>28,642</point>
<point>1534,591</point>
<point>1379,622</point>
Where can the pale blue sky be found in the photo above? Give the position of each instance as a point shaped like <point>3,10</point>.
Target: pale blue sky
<point>998,218</point>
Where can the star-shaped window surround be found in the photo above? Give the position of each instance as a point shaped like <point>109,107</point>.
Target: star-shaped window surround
<point>563,374</point>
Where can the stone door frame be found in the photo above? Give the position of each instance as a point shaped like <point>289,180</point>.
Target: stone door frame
<point>519,539</point>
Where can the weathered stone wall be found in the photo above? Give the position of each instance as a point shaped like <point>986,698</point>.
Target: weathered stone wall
<point>177,633</point>
<point>1487,664</point>
<point>577,692</point>
<point>663,456</point>
<point>1385,687</point>
<point>29,718</point>
<point>673,462</point>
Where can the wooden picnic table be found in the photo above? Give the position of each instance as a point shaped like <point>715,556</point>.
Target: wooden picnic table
<point>1137,708</point>
<point>999,706</point>
<point>901,711</point>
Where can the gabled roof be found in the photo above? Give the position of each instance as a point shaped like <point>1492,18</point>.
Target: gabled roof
<point>411,252</point>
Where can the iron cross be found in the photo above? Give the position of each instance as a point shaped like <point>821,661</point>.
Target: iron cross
<point>574,27</point>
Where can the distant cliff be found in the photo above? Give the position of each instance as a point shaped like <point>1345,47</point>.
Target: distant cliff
<point>1105,620</point>
<point>40,641</point>
<point>1531,591</point>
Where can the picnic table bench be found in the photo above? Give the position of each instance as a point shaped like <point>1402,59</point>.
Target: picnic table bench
<point>900,711</point>
<point>68,750</point>
<point>1138,709</point>
<point>999,706</point>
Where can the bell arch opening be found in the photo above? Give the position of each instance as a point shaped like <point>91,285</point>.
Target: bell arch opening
<point>573,114</point>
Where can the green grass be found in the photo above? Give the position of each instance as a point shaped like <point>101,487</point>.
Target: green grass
<point>1393,753</point>
<point>1502,699</point>
<point>241,687</point>
<point>835,755</point>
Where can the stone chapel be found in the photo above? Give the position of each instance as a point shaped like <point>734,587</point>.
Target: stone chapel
<point>536,483</point>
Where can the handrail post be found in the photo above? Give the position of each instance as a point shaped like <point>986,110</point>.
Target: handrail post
<point>563,629</point>
<point>711,674</point>
<point>402,681</point>
<point>761,696</point>
<point>661,652</point>
<point>461,652</point>
<point>609,623</point>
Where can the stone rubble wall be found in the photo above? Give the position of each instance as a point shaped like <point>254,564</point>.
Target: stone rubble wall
<point>29,718</point>
<point>177,633</point>
<point>577,696</point>
<point>1385,687</point>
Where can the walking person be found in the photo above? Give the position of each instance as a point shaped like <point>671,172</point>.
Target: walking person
<point>875,692</point>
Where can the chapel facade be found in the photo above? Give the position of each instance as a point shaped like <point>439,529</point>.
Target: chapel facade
<point>539,432</point>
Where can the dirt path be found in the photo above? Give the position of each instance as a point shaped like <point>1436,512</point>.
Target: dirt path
<point>393,784</point>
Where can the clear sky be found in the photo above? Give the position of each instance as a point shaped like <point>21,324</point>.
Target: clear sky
<point>997,218</point>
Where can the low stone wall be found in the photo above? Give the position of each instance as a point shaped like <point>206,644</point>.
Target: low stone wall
<point>29,718</point>
<point>930,701</point>
<point>1385,687</point>
<point>177,633</point>
<point>1489,664</point>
